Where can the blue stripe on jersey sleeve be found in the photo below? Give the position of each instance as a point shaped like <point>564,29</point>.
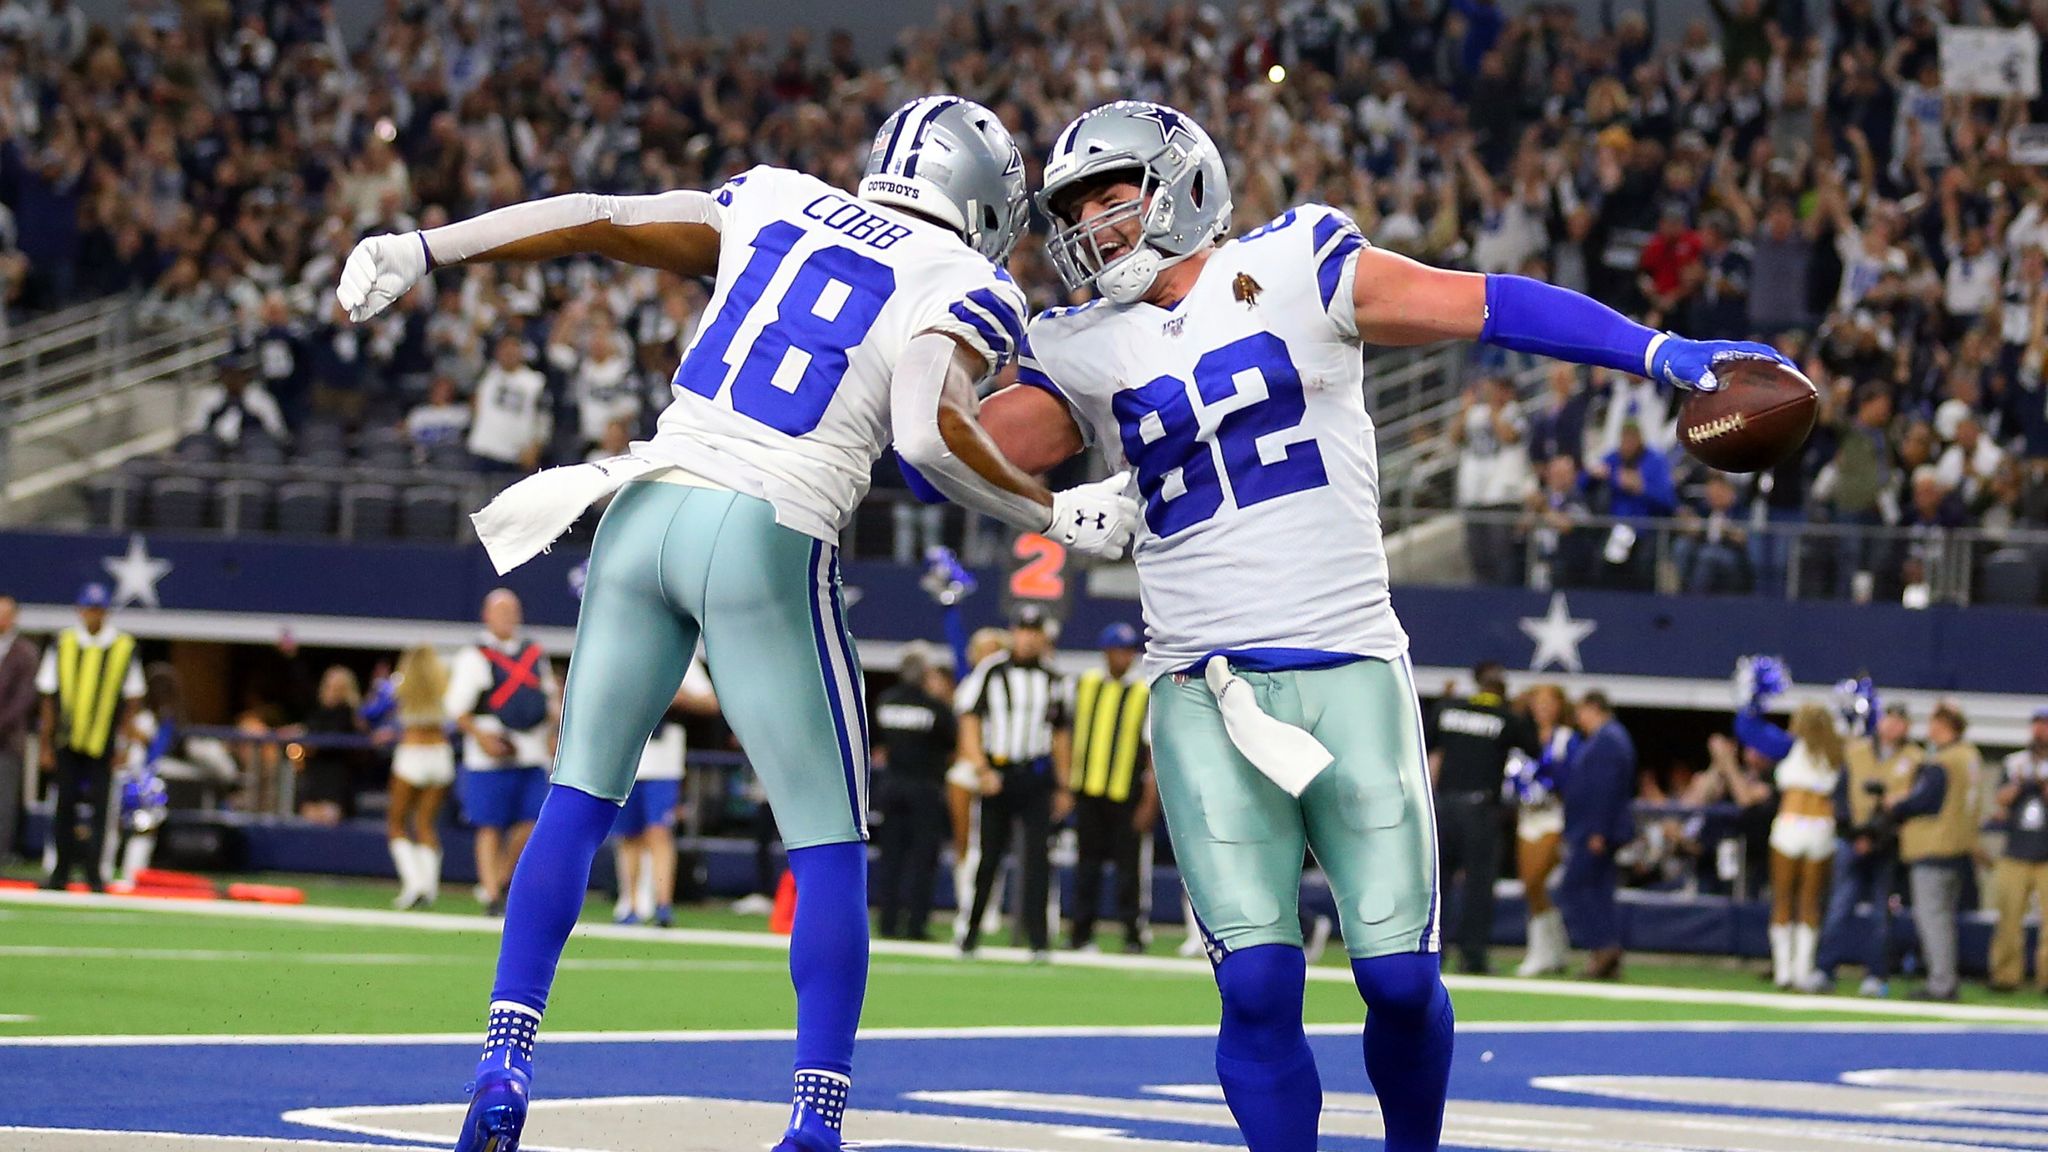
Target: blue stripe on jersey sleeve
<point>996,306</point>
<point>994,339</point>
<point>1332,266</point>
<point>1327,227</point>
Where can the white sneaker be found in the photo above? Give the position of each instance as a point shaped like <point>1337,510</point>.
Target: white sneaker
<point>1874,988</point>
<point>1041,956</point>
<point>753,905</point>
<point>1190,947</point>
<point>1091,948</point>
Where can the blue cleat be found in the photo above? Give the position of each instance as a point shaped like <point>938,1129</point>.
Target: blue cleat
<point>497,1112</point>
<point>809,1134</point>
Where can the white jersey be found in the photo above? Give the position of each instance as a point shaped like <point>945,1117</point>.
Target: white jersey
<point>511,413</point>
<point>1242,411</point>
<point>783,393</point>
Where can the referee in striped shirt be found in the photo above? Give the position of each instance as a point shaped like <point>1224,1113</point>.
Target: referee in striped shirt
<point>1015,731</point>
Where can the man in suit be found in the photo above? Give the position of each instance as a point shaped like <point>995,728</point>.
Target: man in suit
<point>17,713</point>
<point>1597,793</point>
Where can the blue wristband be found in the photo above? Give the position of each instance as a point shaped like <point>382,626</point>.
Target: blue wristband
<point>1524,315</point>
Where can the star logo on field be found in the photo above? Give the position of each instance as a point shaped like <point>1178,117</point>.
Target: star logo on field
<point>1557,636</point>
<point>136,574</point>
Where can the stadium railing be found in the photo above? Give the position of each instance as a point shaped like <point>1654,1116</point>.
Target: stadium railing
<point>1795,560</point>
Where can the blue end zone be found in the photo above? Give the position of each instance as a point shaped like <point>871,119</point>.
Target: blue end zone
<point>243,1089</point>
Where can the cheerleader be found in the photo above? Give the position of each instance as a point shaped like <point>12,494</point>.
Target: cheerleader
<point>1539,826</point>
<point>422,768</point>
<point>1809,759</point>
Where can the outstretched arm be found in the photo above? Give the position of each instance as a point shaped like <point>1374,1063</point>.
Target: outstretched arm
<point>673,231</point>
<point>1400,302</point>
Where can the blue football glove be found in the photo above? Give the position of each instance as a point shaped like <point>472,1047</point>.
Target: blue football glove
<point>1690,364</point>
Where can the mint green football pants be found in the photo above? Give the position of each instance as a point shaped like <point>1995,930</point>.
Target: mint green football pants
<point>672,564</point>
<point>1239,838</point>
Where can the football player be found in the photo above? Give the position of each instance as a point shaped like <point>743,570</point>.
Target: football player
<point>1228,375</point>
<point>837,320</point>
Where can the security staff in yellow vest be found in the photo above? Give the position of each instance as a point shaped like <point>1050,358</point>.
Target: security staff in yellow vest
<point>1937,820</point>
<point>1867,851</point>
<point>91,681</point>
<point>1115,799</point>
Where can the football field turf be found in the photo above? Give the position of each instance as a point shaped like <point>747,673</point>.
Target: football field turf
<point>218,1006</point>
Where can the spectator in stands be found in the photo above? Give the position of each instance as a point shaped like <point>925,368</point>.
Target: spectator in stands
<point>236,406</point>
<point>17,716</point>
<point>513,420</point>
<point>1937,822</point>
<point>1970,460</point>
<point>327,774</point>
<point>1558,426</point>
<point>422,770</point>
<point>1552,530</point>
<point>503,696</point>
<point>1596,791</point>
<point>593,355</point>
<point>1863,473</point>
<point>1492,473</point>
<point>1710,548</point>
<point>1780,263</point>
<point>1636,486</point>
<point>2021,875</point>
<point>441,422</point>
<point>280,347</point>
<point>1671,266</point>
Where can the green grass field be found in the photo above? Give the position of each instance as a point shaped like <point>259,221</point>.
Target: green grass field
<point>76,967</point>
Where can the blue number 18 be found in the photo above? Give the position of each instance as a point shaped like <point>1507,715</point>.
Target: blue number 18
<point>863,286</point>
<point>1162,436</point>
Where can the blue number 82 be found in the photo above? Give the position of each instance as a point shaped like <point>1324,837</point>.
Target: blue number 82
<point>863,285</point>
<point>1177,463</point>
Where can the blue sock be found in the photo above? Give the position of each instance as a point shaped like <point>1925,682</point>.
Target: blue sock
<point>1408,1038</point>
<point>828,953</point>
<point>542,906</point>
<point>1263,1060</point>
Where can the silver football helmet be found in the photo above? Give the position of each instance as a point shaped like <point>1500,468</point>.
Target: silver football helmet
<point>950,159</point>
<point>1182,207</point>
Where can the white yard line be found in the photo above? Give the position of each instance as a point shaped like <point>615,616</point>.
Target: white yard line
<point>1017,1032</point>
<point>449,922</point>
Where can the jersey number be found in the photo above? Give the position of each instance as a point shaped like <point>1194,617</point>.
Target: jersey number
<point>796,363</point>
<point>1177,462</point>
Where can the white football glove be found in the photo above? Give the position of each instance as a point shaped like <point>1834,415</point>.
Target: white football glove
<point>380,270</point>
<point>1097,518</point>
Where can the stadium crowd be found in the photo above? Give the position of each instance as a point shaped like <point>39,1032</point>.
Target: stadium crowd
<point>1785,171</point>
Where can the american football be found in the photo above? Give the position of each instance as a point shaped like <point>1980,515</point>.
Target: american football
<point>1761,414</point>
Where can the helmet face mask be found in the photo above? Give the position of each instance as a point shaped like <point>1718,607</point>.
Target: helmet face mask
<point>1182,206</point>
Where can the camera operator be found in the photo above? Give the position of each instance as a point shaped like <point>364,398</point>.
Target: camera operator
<point>2022,874</point>
<point>1867,852</point>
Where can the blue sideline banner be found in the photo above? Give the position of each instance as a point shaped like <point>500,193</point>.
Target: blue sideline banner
<point>1942,649</point>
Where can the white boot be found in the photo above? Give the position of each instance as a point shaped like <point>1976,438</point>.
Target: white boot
<point>963,894</point>
<point>427,871</point>
<point>1546,945</point>
<point>408,883</point>
<point>1781,955</point>
<point>1805,942</point>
